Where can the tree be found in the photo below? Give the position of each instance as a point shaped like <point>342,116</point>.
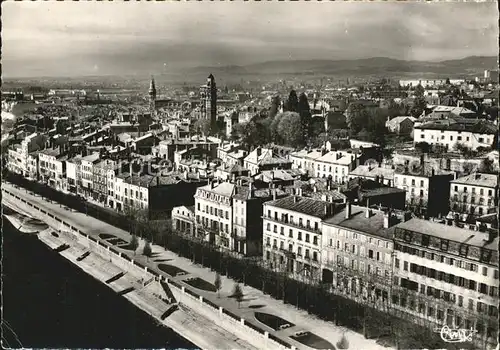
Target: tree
<point>134,243</point>
<point>355,117</point>
<point>423,147</point>
<point>238,293</point>
<point>343,343</point>
<point>290,129</point>
<point>218,284</point>
<point>305,113</point>
<point>275,106</point>
<point>487,166</point>
<point>292,102</point>
<point>419,104</point>
<point>147,251</point>
<point>202,126</point>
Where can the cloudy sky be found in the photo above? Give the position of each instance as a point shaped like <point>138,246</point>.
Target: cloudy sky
<point>92,38</point>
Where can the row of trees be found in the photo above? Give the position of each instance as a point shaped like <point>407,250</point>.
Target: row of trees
<point>313,297</point>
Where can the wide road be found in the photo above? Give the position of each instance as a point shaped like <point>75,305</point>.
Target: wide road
<point>302,320</point>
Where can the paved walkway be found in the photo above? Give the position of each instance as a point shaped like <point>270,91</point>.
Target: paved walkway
<point>302,320</point>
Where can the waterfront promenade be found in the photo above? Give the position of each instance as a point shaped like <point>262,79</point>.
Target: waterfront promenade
<point>301,319</point>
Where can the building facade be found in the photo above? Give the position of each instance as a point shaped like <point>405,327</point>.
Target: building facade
<point>445,275</point>
<point>292,235</point>
<point>475,194</point>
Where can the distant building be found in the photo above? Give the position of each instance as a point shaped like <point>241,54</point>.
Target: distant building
<point>373,172</point>
<point>427,191</point>
<point>400,125</point>
<point>265,159</point>
<point>472,134</point>
<point>475,194</point>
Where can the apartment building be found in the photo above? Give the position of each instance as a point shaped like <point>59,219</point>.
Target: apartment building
<point>213,210</point>
<point>336,164</point>
<point>32,162</point>
<point>427,191</point>
<point>52,162</point>
<point>357,252</point>
<point>475,194</point>
<point>451,132</point>
<point>74,175</point>
<point>183,220</point>
<point>292,235</point>
<point>87,173</point>
<point>305,159</point>
<point>101,172</point>
<point>17,154</point>
<point>155,195</point>
<point>375,172</point>
<point>446,275</point>
<point>265,159</point>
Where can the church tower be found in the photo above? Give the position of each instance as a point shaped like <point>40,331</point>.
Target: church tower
<point>208,106</point>
<point>152,96</point>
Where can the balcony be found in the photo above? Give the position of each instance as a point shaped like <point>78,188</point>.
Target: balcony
<point>287,253</point>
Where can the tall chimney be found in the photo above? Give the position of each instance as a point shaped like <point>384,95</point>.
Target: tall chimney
<point>368,210</point>
<point>348,209</point>
<point>387,218</point>
<point>274,194</point>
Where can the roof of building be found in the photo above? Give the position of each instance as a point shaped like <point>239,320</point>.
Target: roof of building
<point>304,153</point>
<point>358,221</point>
<point>91,157</point>
<point>223,188</point>
<point>304,205</point>
<point>277,175</point>
<point>473,126</point>
<point>478,179</point>
<point>452,233</point>
<point>337,157</point>
<point>373,171</point>
<point>489,219</point>
<point>147,180</point>
<point>54,152</point>
<point>395,121</point>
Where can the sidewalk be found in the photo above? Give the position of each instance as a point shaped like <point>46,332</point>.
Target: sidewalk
<point>302,320</point>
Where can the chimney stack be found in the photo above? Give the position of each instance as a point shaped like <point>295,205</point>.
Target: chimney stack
<point>348,209</point>
<point>387,219</point>
<point>368,210</point>
<point>274,194</point>
<point>295,199</point>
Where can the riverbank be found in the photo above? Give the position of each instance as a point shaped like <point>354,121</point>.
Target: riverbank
<point>55,305</point>
<point>134,284</point>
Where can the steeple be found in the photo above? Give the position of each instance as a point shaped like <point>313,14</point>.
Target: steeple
<point>152,96</point>
<point>152,87</point>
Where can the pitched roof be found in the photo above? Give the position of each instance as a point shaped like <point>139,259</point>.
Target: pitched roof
<point>452,233</point>
<point>478,179</point>
<point>367,171</point>
<point>473,126</point>
<point>358,221</point>
<point>304,205</point>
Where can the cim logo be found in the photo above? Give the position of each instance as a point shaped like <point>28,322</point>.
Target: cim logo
<point>456,335</point>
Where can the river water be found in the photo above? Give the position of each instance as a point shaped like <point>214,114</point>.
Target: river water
<point>50,303</point>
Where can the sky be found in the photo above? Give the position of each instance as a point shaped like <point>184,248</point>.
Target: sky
<point>103,38</point>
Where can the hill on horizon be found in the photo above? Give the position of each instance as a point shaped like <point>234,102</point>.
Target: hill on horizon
<point>468,66</point>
